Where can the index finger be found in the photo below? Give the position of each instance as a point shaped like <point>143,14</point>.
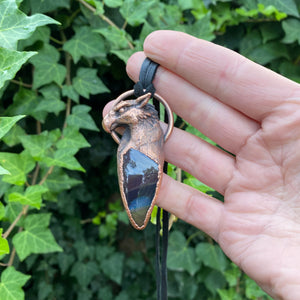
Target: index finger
<point>220,72</point>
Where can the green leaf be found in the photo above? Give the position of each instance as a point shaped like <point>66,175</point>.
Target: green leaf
<point>10,63</point>
<point>117,37</point>
<point>48,5</point>
<point>214,281</point>
<point>113,267</point>
<point>12,137</point>
<point>36,144</point>
<point>2,211</point>
<point>86,82</point>
<point>32,196</point>
<point>135,11</point>
<point>11,284</point>
<point>196,184</point>
<point>180,256</point>
<point>18,166</point>
<point>4,171</point>
<point>36,238</point>
<point>291,28</point>
<point>25,103</point>
<point>64,158</point>
<point>40,34</point>
<point>287,6</point>
<point>72,138</point>
<point>81,119</point>
<point>47,69</point>
<point>6,123</point>
<point>123,54</point>
<point>69,91</point>
<point>84,272</point>
<point>113,3</point>
<point>51,101</point>
<point>59,181</point>
<point>264,54</point>
<point>12,210</point>
<point>4,247</point>
<point>85,43</point>
<point>15,25</point>
<point>211,256</point>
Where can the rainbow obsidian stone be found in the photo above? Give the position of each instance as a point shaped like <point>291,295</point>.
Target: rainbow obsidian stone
<point>140,174</point>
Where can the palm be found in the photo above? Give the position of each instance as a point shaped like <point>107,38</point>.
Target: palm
<point>254,114</point>
<point>260,227</point>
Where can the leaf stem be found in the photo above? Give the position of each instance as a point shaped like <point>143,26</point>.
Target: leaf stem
<point>21,83</point>
<point>105,18</point>
<point>193,236</point>
<point>14,223</point>
<point>56,41</point>
<point>35,174</point>
<point>46,175</point>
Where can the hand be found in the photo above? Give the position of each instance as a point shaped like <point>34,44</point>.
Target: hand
<point>253,113</point>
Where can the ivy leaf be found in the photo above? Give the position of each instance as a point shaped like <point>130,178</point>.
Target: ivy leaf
<point>265,53</point>
<point>85,43</point>
<point>11,284</point>
<point>135,11</point>
<point>86,82</point>
<point>84,272</point>
<point>10,63</point>
<point>2,211</point>
<point>36,238</point>
<point>202,28</point>
<point>113,3</point>
<point>287,6</point>
<point>4,247</point>
<point>48,5</point>
<point>4,171</point>
<point>47,69</point>
<point>291,28</point>
<point>59,181</point>
<point>6,123</point>
<point>15,25</point>
<point>64,158</point>
<point>51,101</point>
<point>40,34</point>
<point>211,256</point>
<point>36,144</point>
<point>72,138</point>
<point>69,91</point>
<point>81,119</point>
<point>117,37</point>
<point>25,103</point>
<point>123,54</point>
<point>12,137</point>
<point>32,196</point>
<point>113,267</point>
<point>181,257</point>
<point>18,166</point>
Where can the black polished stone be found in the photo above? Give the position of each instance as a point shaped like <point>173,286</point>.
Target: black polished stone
<point>140,180</point>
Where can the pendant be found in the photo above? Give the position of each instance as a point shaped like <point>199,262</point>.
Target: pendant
<point>140,152</point>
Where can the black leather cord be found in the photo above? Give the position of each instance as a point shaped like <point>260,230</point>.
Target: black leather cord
<point>146,77</point>
<point>142,87</point>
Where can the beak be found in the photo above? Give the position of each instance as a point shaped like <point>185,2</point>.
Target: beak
<point>106,124</point>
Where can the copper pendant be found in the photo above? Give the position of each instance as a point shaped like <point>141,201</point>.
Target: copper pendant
<point>140,152</point>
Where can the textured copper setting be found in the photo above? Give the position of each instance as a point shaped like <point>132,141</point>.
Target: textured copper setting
<point>140,152</point>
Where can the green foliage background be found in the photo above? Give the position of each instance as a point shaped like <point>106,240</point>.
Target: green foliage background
<point>64,232</point>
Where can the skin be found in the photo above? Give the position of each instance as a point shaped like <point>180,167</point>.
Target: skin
<point>254,114</point>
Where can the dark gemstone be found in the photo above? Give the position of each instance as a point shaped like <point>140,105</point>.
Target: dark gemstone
<point>140,180</point>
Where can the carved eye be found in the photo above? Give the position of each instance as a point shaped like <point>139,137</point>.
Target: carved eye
<point>121,110</point>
